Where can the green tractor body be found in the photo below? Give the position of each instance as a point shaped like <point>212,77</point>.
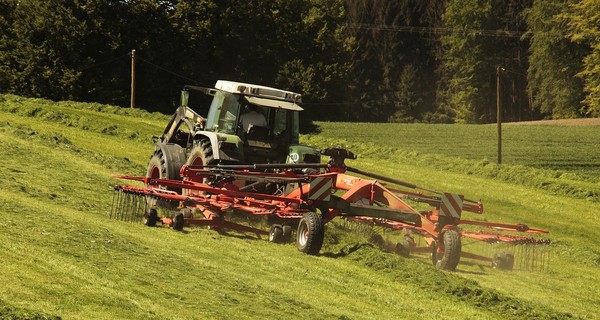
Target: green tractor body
<point>225,137</point>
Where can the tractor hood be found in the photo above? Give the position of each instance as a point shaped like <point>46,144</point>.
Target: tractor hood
<point>279,104</point>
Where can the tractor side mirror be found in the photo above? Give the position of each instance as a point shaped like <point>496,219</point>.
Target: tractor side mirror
<point>185,96</point>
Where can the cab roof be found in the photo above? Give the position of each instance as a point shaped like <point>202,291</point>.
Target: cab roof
<point>262,95</point>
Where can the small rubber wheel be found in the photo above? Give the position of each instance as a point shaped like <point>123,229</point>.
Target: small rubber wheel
<point>151,218</point>
<point>403,248</point>
<point>378,240</point>
<point>311,231</point>
<point>448,257</point>
<point>504,261</point>
<point>178,222</point>
<point>287,233</point>
<point>276,234</point>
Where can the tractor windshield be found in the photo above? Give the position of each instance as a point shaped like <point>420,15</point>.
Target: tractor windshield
<point>223,114</point>
<point>227,110</point>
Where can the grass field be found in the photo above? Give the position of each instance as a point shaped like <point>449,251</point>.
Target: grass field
<point>566,148</point>
<point>60,255</point>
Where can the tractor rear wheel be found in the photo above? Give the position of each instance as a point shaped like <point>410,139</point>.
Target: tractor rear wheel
<point>165,163</point>
<point>449,256</point>
<point>311,231</point>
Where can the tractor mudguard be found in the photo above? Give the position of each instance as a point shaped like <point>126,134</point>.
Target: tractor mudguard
<point>224,146</point>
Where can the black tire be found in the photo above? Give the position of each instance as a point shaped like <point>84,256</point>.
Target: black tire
<point>378,240</point>
<point>200,155</point>
<point>311,231</point>
<point>165,163</point>
<point>276,234</point>
<point>151,218</point>
<point>287,233</point>
<point>178,222</point>
<point>504,261</point>
<point>449,258</point>
<point>403,248</point>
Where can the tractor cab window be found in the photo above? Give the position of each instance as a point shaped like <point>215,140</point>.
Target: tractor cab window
<point>223,113</point>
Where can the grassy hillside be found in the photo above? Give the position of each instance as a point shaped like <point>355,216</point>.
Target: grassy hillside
<point>60,255</point>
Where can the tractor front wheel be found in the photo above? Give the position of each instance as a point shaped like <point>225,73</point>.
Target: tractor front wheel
<point>200,155</point>
<point>446,257</point>
<point>311,231</point>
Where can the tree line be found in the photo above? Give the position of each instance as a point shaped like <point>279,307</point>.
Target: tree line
<point>353,60</point>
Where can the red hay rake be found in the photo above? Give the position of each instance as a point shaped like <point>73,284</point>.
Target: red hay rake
<point>302,198</point>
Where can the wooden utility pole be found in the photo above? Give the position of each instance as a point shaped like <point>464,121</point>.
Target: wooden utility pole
<point>132,105</point>
<point>498,114</point>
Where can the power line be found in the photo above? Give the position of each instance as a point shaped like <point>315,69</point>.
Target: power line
<point>106,62</point>
<point>445,31</point>
<point>171,72</point>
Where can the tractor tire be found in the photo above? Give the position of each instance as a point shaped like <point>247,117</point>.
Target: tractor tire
<point>276,234</point>
<point>311,231</point>
<point>178,222</point>
<point>287,233</point>
<point>449,258</point>
<point>504,261</point>
<point>165,163</point>
<point>201,155</point>
<point>151,218</point>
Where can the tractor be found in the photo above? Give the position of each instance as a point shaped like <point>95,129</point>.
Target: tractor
<point>221,138</point>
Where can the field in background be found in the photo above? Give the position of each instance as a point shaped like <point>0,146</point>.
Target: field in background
<point>568,148</point>
<point>61,256</point>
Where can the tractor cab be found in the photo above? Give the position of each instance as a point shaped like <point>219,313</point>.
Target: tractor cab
<point>252,124</point>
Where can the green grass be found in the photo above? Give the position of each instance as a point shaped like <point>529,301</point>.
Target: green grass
<point>60,255</point>
<point>565,148</point>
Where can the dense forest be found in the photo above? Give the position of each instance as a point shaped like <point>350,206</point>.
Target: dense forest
<point>353,60</point>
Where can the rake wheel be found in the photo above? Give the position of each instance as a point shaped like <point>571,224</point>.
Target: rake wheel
<point>178,222</point>
<point>403,247</point>
<point>504,261</point>
<point>287,233</point>
<point>151,218</point>
<point>446,257</point>
<point>276,234</point>
<point>311,231</point>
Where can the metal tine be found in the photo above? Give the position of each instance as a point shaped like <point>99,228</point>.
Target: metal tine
<point>112,207</point>
<point>119,207</point>
<point>134,209</point>
<point>125,206</point>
